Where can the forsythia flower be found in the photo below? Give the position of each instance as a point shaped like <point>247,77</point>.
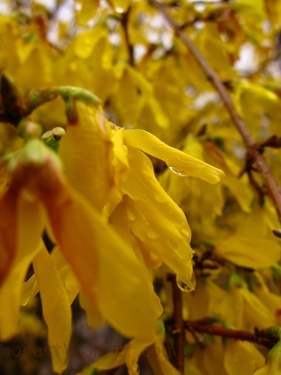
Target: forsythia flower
<point>108,216</point>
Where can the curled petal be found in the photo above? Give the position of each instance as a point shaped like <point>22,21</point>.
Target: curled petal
<point>56,308</point>
<point>178,160</point>
<point>120,289</point>
<point>156,219</point>
<point>29,226</point>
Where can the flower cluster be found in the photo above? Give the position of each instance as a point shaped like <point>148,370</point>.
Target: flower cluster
<point>112,223</point>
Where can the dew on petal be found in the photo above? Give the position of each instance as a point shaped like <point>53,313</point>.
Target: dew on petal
<point>178,172</point>
<point>187,288</point>
<point>173,243</point>
<point>114,127</point>
<point>152,234</point>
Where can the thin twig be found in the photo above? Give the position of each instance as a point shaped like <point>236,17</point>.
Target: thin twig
<point>178,330</point>
<point>270,183</point>
<point>130,47</point>
<point>259,336</point>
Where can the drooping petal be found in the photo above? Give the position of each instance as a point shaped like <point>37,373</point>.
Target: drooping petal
<point>29,226</point>
<point>94,317</point>
<point>119,288</point>
<point>86,153</point>
<point>31,288</point>
<point>180,161</point>
<point>129,354</point>
<point>156,219</point>
<point>158,359</point>
<point>56,308</point>
<point>8,233</point>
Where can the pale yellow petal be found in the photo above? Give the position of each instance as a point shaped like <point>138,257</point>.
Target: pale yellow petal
<point>86,153</point>
<point>129,354</point>
<point>156,219</point>
<point>56,308</point>
<point>94,317</point>
<point>120,289</point>
<point>158,359</point>
<point>8,233</point>
<point>180,161</point>
<point>29,228</point>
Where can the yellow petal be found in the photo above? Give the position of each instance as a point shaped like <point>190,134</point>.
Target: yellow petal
<point>86,153</point>
<point>129,354</point>
<point>239,250</point>
<point>272,364</point>
<point>271,300</point>
<point>87,10</point>
<point>56,308</point>
<point>178,160</point>
<point>120,289</point>
<point>94,317</point>
<point>31,287</point>
<point>158,359</point>
<point>110,360</point>
<point>156,219</point>
<point>120,160</point>
<point>8,233</point>
<point>231,308</point>
<point>29,290</point>
<point>256,314</point>
<point>29,228</point>
<point>241,358</point>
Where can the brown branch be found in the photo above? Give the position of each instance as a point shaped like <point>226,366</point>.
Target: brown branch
<point>130,47</point>
<point>259,337</point>
<point>270,183</point>
<point>178,330</point>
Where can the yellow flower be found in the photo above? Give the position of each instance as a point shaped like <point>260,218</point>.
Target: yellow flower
<point>159,225</point>
<point>38,193</point>
<point>105,210</point>
<point>109,168</point>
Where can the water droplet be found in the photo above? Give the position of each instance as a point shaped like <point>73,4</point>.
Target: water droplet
<point>173,243</point>
<point>152,234</point>
<point>131,216</point>
<point>184,232</point>
<point>114,127</point>
<point>161,198</point>
<point>178,172</point>
<point>187,287</point>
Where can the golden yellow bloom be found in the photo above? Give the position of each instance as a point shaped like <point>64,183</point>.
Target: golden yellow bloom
<point>105,212</point>
<point>108,168</point>
<point>38,192</point>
